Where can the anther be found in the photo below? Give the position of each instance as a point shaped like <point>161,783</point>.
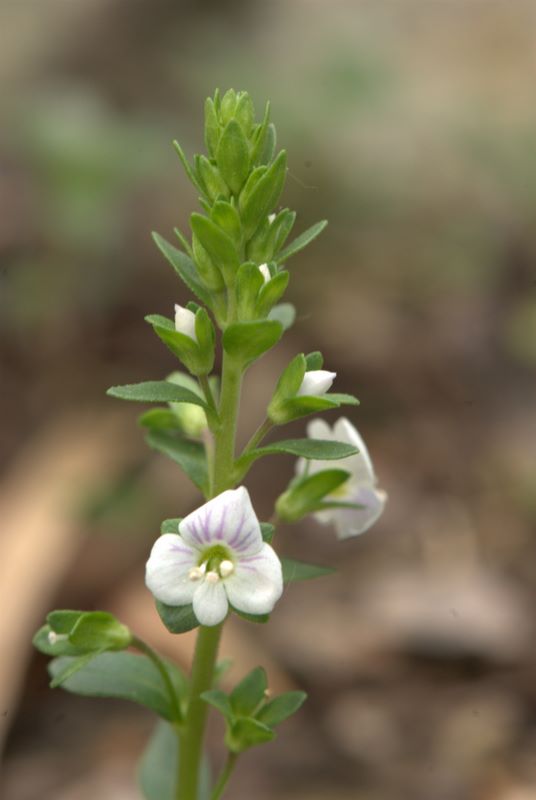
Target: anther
<point>196,573</point>
<point>226,568</point>
<point>212,577</point>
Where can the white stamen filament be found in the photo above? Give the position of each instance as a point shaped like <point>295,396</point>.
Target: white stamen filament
<point>226,568</point>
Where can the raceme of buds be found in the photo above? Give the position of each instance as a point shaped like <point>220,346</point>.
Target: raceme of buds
<point>357,502</point>
<point>218,558</point>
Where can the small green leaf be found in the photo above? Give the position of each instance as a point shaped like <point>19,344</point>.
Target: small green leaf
<point>184,267</point>
<point>300,571</point>
<point>342,399</point>
<point>246,733</point>
<point>217,244</point>
<point>188,454</point>
<point>67,667</point>
<point>258,619</point>
<point>170,525</point>
<point>271,292</point>
<point>177,619</point>
<point>247,341</point>
<point>301,241</point>
<point>267,530</point>
<point>187,168</point>
<point>247,695</point>
<point>314,361</point>
<point>285,313</point>
<point>156,392</point>
<point>63,621</point>
<point>99,630</point>
<point>233,156</point>
<point>317,449</point>
<point>58,647</point>
<point>297,407</point>
<point>305,493</point>
<point>222,667</point>
<point>280,708</point>
<point>259,200</point>
<point>219,700</point>
<point>160,419</point>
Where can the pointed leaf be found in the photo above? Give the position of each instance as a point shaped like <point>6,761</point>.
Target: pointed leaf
<point>247,695</point>
<point>156,392</point>
<point>249,340</point>
<point>301,241</point>
<point>219,700</point>
<point>300,571</point>
<point>177,619</point>
<point>122,675</point>
<point>280,708</point>
<point>184,267</point>
<point>317,449</point>
<point>188,454</point>
<point>246,733</point>
<point>170,525</point>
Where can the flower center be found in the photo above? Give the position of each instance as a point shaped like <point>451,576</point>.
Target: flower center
<point>215,563</point>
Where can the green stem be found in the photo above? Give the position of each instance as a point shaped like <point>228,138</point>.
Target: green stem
<point>143,647</point>
<point>258,436</point>
<point>208,638</point>
<point>224,777</point>
<point>209,397</point>
<point>191,740</point>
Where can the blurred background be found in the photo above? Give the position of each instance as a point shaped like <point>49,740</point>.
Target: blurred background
<point>412,127</point>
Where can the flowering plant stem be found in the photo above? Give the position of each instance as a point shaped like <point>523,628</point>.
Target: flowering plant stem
<point>208,638</point>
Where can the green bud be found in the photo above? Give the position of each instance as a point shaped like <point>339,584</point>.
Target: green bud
<point>257,201</point>
<point>249,282</point>
<point>98,630</point>
<point>233,156</point>
<point>245,112</point>
<point>209,272</point>
<point>191,418</point>
<point>212,179</point>
<point>226,217</point>
<point>306,494</point>
<point>228,105</point>
<point>219,246</point>
<point>212,128</point>
<point>287,387</point>
<point>271,292</point>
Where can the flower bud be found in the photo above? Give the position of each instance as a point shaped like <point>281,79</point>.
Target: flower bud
<point>265,272</point>
<point>316,382</point>
<point>185,321</point>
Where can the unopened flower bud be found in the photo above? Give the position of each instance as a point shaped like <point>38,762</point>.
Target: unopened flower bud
<point>185,321</point>
<point>265,272</point>
<point>316,382</point>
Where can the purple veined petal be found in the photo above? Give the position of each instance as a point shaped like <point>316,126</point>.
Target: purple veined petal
<point>257,582</point>
<point>359,465</point>
<point>210,603</point>
<point>228,519</point>
<point>354,521</point>
<point>166,572</point>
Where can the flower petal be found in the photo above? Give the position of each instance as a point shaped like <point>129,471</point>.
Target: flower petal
<point>316,382</point>
<point>210,603</point>
<point>227,519</point>
<point>257,582</point>
<point>353,521</point>
<point>359,465</point>
<point>166,572</point>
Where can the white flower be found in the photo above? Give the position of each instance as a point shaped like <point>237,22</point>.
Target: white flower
<point>360,488</point>
<point>218,558</point>
<point>265,272</point>
<point>185,321</point>
<point>316,382</point>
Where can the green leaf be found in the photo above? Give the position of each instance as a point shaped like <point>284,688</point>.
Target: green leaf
<point>246,733</point>
<point>122,675</point>
<point>247,341</point>
<point>300,571</point>
<point>304,494</point>
<point>187,168</point>
<point>161,419</point>
<point>170,525</point>
<point>267,530</point>
<point>272,291</point>
<point>233,156</point>
<point>177,619</point>
<point>184,267</point>
<point>188,454</point>
<point>217,244</point>
<point>297,407</point>
<point>317,449</point>
<point>259,200</point>
<point>314,361</point>
<point>285,313</point>
<point>301,241</point>
<point>159,767</point>
<point>63,621</point>
<point>258,619</point>
<point>60,647</point>
<point>156,392</point>
<point>64,668</point>
<point>247,695</point>
<point>99,630</point>
<point>219,700</point>
<point>342,399</point>
<point>280,708</point>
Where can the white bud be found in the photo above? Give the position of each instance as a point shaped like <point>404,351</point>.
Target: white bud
<point>316,382</point>
<point>265,272</point>
<point>185,321</point>
<point>212,577</point>
<point>271,218</point>
<point>226,568</point>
